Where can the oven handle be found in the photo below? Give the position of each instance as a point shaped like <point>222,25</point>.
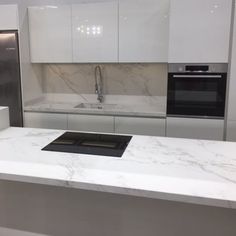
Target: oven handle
<point>198,76</point>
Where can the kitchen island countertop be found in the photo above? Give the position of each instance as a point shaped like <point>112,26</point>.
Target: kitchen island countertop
<point>191,171</point>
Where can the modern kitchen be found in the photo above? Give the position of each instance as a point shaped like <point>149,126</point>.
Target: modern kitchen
<point>117,117</point>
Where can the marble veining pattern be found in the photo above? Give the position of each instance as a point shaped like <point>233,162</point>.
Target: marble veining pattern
<point>193,171</point>
<point>119,79</point>
<point>152,106</point>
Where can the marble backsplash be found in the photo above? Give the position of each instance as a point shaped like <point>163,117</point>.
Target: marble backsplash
<point>119,79</point>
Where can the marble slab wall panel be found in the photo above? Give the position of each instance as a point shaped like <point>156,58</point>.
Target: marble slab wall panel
<point>119,79</point>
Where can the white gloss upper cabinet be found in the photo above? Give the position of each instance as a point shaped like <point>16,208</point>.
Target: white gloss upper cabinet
<point>95,32</point>
<point>9,17</point>
<point>143,30</point>
<point>199,31</point>
<point>50,34</point>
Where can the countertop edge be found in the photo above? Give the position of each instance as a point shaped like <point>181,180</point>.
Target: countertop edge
<point>106,113</point>
<point>188,199</point>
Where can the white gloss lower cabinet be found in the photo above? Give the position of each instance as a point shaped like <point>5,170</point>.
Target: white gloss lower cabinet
<point>95,32</point>
<point>140,126</point>
<point>195,128</point>
<point>45,120</point>
<point>91,123</point>
<point>231,131</point>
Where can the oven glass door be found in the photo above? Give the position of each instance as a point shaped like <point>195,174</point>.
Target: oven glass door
<point>196,94</point>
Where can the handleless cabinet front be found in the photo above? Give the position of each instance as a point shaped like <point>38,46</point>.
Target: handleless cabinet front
<point>143,30</point>
<point>91,123</point>
<point>50,34</point>
<point>199,31</point>
<point>45,120</point>
<point>140,126</point>
<point>95,32</point>
<point>193,128</point>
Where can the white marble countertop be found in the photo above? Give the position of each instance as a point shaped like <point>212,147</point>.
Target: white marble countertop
<point>149,106</point>
<point>191,171</point>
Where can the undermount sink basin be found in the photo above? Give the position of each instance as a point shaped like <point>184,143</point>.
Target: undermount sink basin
<point>95,106</point>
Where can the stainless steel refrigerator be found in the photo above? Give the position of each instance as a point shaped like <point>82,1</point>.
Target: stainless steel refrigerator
<point>10,80</point>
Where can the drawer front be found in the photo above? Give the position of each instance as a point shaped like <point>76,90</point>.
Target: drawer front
<point>231,131</point>
<point>45,120</point>
<point>91,123</point>
<point>195,128</point>
<point>140,126</point>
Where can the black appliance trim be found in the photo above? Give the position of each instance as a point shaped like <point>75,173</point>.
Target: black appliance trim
<point>180,79</point>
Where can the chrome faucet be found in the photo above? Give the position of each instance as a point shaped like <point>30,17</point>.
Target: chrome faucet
<point>99,84</point>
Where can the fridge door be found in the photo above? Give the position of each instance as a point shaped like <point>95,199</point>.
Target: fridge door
<point>10,82</point>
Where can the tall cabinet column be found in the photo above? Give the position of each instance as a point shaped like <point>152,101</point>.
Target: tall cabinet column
<point>231,111</point>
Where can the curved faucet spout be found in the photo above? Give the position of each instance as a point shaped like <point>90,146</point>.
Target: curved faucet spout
<point>99,84</point>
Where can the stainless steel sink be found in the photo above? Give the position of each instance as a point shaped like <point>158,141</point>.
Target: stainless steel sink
<point>99,106</point>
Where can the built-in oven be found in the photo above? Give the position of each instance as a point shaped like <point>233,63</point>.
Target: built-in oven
<point>197,90</point>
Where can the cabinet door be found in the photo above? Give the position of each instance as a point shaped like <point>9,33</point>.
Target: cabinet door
<point>45,120</point>
<point>143,30</point>
<point>95,32</point>
<point>140,126</point>
<point>50,34</point>
<point>231,131</point>
<point>199,31</point>
<point>9,17</point>
<point>91,123</point>
<point>195,128</point>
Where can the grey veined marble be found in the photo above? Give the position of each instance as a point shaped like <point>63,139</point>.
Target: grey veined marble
<point>119,79</point>
<point>192,171</point>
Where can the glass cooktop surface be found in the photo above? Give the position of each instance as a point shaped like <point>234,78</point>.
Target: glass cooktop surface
<point>90,143</point>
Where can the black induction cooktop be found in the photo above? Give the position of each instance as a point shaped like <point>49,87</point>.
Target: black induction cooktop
<point>89,143</point>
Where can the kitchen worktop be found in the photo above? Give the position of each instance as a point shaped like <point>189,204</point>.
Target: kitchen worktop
<point>191,171</point>
<point>150,106</point>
